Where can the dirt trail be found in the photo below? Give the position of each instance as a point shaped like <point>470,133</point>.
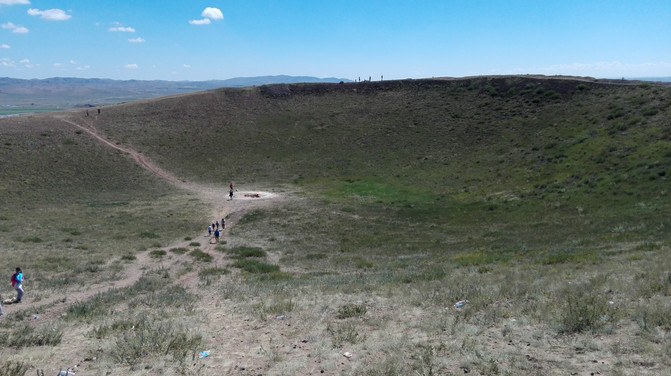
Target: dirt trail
<point>51,308</point>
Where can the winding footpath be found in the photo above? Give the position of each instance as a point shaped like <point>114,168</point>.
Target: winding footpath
<point>50,309</point>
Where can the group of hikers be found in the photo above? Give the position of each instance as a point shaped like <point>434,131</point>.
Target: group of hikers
<point>17,284</point>
<point>215,227</point>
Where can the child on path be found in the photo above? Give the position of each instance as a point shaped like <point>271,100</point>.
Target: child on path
<point>223,223</point>
<point>17,283</point>
<point>209,230</point>
<point>216,236</point>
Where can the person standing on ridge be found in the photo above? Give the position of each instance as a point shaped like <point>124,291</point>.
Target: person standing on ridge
<point>17,283</point>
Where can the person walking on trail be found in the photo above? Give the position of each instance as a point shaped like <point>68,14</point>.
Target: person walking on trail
<point>223,224</point>
<point>209,230</point>
<point>216,236</point>
<point>230,194</point>
<point>2,313</point>
<point>17,283</point>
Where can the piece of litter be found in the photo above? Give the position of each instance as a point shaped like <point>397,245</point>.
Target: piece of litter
<point>611,302</point>
<point>36,317</point>
<point>203,354</point>
<point>347,355</point>
<point>281,317</point>
<point>460,303</point>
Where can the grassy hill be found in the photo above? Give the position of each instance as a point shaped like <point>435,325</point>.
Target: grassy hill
<point>447,151</point>
<point>537,199</point>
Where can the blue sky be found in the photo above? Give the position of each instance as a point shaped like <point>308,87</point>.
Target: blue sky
<point>202,40</point>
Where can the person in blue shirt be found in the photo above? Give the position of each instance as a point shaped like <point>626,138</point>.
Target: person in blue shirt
<point>17,282</point>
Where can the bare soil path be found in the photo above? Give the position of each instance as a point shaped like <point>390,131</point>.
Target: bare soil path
<point>232,337</point>
<point>51,308</point>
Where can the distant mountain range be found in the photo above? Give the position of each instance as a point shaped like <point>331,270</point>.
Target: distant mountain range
<point>655,79</point>
<point>64,93</point>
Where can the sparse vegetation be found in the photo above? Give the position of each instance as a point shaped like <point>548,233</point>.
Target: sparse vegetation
<point>542,204</point>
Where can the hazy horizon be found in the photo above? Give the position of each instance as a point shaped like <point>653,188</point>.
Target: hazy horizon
<point>205,40</point>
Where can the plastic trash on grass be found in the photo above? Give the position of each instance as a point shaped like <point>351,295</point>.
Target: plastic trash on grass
<point>460,303</point>
<point>203,354</point>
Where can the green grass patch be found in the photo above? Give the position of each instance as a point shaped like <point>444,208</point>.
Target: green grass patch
<point>252,216</point>
<point>218,271</point>
<point>157,253</point>
<point>255,267</point>
<point>148,235</point>
<point>351,310</point>
<point>245,252</point>
<point>32,239</point>
<point>200,256</point>
<point>179,250</point>
<point>580,257</point>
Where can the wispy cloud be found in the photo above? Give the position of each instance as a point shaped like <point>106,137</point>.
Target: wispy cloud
<point>131,66</point>
<point>204,21</point>
<point>85,67</point>
<point>50,14</point>
<point>187,66</point>
<point>16,29</point>
<point>208,15</point>
<point>14,2</point>
<point>5,46</point>
<point>7,63</point>
<point>122,29</point>
<point>137,40</point>
<point>57,65</point>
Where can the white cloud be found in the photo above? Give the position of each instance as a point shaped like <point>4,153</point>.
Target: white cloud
<point>16,29</point>
<point>5,46</point>
<point>187,66</point>
<point>208,15</point>
<point>212,13</point>
<point>7,62</point>
<point>24,61</point>
<point>137,40</point>
<point>50,14</point>
<point>14,2</point>
<point>204,21</point>
<point>122,29</point>
<point>85,67</point>
<point>73,62</point>
<point>131,66</point>
<point>57,65</point>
